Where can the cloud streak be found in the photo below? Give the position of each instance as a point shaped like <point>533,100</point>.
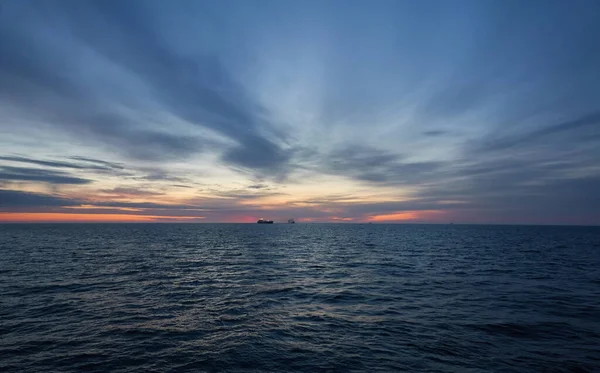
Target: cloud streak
<point>198,89</point>
<point>9,173</point>
<point>484,112</point>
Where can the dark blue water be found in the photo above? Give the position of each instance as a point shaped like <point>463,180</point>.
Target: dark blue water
<point>299,298</point>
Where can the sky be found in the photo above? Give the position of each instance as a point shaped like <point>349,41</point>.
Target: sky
<point>442,111</point>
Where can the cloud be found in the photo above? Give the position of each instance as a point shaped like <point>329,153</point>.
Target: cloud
<point>31,174</point>
<point>258,186</point>
<point>459,98</point>
<point>15,198</point>
<point>519,189</point>
<point>196,88</point>
<point>475,109</point>
<point>128,192</point>
<point>146,205</point>
<point>151,145</point>
<point>113,165</point>
<point>56,164</point>
<point>242,195</point>
<point>580,129</point>
<point>260,155</point>
<point>370,164</point>
<point>157,174</point>
<point>435,133</point>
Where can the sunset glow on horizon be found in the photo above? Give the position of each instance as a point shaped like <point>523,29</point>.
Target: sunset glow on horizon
<point>331,111</point>
<point>48,217</point>
<point>406,216</point>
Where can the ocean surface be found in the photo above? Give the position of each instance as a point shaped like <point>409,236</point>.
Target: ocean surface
<point>299,298</point>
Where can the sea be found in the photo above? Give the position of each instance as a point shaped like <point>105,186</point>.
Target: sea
<point>299,298</point>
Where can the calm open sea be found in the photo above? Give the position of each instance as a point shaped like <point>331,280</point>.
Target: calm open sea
<point>299,298</point>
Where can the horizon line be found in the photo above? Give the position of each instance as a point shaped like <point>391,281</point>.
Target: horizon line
<point>284,223</point>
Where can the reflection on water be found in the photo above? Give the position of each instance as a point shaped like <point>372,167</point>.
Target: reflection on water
<point>307,298</point>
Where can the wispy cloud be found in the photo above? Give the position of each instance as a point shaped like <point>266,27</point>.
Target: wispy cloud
<point>32,174</point>
<point>113,165</point>
<point>486,111</point>
<point>16,198</point>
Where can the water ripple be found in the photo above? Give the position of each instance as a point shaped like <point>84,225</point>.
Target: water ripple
<point>299,298</point>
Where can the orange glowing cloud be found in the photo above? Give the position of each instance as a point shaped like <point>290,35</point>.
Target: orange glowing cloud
<point>239,219</point>
<point>324,219</point>
<point>33,217</point>
<point>406,216</point>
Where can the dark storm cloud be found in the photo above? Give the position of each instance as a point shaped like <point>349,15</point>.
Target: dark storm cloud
<point>30,174</point>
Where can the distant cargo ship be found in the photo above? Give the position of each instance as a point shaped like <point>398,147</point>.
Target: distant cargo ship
<point>291,221</point>
<point>263,221</point>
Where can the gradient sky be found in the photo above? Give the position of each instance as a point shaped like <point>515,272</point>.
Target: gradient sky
<point>386,111</point>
